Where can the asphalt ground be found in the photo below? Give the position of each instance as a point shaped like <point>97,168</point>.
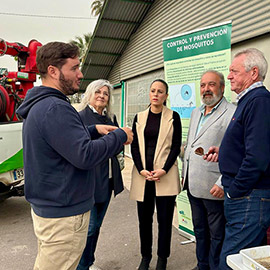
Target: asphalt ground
<point>118,245</point>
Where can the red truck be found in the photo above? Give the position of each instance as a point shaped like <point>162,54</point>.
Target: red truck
<point>13,89</point>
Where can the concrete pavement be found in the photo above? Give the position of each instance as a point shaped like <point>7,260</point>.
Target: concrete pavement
<point>118,245</point>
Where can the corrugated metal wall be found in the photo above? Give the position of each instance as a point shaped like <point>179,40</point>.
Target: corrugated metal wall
<point>251,18</point>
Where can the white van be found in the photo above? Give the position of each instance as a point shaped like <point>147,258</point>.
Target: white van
<point>11,160</point>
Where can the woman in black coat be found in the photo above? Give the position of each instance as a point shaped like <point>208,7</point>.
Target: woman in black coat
<point>95,109</point>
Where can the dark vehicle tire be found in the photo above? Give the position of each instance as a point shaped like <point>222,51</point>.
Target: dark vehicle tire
<point>4,188</point>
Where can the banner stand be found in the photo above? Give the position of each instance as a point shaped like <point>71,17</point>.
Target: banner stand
<point>186,57</point>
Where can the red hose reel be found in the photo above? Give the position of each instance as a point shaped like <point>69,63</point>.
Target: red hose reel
<point>14,85</point>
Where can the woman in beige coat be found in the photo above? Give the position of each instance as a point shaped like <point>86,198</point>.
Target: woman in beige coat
<point>155,176</point>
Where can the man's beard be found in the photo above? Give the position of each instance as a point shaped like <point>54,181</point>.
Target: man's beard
<point>210,101</point>
<point>66,86</point>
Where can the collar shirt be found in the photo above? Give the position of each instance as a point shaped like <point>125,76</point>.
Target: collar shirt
<point>104,112</point>
<point>253,86</point>
<point>204,118</point>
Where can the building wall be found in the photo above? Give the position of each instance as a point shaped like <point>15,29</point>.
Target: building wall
<point>261,43</point>
<point>250,18</point>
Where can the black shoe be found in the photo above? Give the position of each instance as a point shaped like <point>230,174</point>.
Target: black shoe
<point>195,268</point>
<point>144,265</point>
<point>161,264</point>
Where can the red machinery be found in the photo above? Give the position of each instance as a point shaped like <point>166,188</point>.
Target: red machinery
<point>14,85</point>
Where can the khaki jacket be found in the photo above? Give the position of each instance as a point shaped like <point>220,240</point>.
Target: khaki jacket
<point>169,184</point>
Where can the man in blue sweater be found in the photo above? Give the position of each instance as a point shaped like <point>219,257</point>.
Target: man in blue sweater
<point>59,158</point>
<point>244,157</point>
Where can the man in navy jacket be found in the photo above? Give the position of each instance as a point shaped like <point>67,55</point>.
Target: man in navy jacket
<point>59,157</point>
<point>244,157</point>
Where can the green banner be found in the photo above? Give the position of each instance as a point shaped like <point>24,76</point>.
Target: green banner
<point>186,57</point>
<point>213,39</point>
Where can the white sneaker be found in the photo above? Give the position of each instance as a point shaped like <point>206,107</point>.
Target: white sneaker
<point>93,267</point>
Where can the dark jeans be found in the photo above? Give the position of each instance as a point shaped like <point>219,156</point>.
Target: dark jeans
<point>209,225</point>
<point>96,218</point>
<point>248,219</point>
<point>165,208</point>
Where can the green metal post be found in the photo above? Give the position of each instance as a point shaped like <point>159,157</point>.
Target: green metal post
<point>123,102</point>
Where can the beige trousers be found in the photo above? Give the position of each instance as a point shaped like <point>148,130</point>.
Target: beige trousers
<point>61,241</point>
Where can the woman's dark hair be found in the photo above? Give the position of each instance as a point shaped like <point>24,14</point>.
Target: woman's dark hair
<point>162,81</point>
<point>166,86</point>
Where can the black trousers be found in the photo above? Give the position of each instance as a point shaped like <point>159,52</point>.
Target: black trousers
<point>209,228</point>
<point>165,209</point>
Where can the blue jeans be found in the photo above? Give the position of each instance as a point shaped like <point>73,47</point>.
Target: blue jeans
<point>96,218</point>
<point>247,218</point>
